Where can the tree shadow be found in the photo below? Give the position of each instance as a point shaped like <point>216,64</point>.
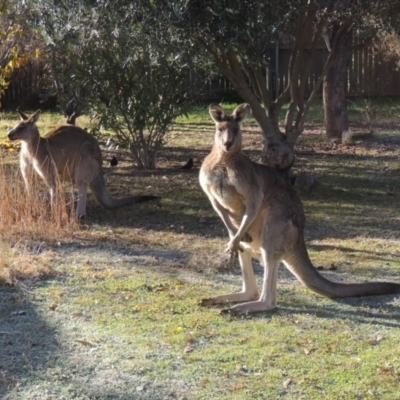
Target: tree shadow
<point>27,343</point>
<point>182,196</point>
<point>349,309</point>
<point>370,310</point>
<point>379,256</point>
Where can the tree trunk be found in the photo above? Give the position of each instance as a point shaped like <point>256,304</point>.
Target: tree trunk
<point>276,152</point>
<point>334,88</point>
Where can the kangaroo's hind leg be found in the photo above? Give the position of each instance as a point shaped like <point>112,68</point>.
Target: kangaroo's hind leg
<point>86,169</point>
<point>275,236</point>
<point>267,299</point>
<point>81,203</point>
<point>249,290</point>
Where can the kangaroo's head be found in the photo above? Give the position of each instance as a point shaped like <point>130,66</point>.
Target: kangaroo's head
<point>228,135</point>
<point>70,117</point>
<point>26,129</point>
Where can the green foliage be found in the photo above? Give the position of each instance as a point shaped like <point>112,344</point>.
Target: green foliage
<point>138,92</point>
<point>117,61</point>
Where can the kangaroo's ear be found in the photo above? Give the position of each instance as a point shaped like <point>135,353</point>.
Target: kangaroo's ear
<point>35,116</point>
<point>22,115</point>
<point>241,112</point>
<point>217,113</point>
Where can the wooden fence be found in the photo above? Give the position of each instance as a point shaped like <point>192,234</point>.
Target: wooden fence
<point>370,73</point>
<point>25,87</point>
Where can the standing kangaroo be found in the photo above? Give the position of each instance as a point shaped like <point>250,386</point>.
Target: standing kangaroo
<point>67,153</point>
<point>265,220</point>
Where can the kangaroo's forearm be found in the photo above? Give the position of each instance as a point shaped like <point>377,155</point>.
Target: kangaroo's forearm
<point>250,215</point>
<point>223,214</point>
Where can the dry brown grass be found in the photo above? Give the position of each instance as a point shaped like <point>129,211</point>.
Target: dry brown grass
<point>17,263</point>
<point>26,220</point>
<point>30,214</point>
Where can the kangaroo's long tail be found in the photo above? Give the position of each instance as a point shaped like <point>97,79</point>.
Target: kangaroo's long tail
<point>298,262</point>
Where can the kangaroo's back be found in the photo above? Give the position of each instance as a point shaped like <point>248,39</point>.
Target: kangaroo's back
<point>74,152</point>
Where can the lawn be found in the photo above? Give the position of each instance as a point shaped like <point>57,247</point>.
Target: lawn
<point>108,309</point>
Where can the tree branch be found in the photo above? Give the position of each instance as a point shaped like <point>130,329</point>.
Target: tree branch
<point>298,61</point>
<point>259,113</point>
<point>262,87</point>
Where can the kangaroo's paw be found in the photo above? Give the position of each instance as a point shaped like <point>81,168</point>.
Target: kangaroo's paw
<point>233,246</point>
<point>247,308</point>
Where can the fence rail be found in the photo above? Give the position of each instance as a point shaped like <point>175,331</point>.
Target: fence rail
<point>370,73</point>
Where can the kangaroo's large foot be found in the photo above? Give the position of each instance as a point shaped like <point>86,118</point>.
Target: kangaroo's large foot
<point>250,307</point>
<point>229,298</point>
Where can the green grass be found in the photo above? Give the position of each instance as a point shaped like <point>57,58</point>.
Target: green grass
<point>47,121</point>
<point>119,316</point>
<point>328,349</point>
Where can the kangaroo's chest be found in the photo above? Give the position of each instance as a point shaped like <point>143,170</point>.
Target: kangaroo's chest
<point>220,182</point>
<point>46,163</point>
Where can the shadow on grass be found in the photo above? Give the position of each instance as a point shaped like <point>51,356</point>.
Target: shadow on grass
<point>27,343</point>
<point>187,209</point>
<point>371,310</point>
<point>379,256</point>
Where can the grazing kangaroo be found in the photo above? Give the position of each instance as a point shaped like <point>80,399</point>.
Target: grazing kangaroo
<point>70,154</point>
<point>265,220</point>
